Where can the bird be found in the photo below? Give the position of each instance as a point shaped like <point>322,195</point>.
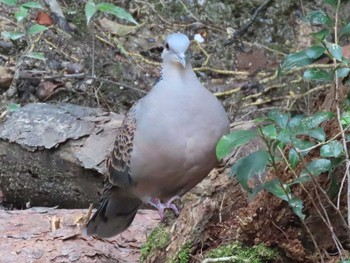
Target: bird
<point>164,147</point>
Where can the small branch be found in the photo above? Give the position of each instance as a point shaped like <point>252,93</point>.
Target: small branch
<point>337,102</point>
<point>56,9</point>
<point>245,27</point>
<point>223,259</point>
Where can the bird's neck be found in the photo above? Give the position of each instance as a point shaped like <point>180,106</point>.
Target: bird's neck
<point>172,71</point>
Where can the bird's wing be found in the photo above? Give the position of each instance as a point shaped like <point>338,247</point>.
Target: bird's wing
<point>118,162</point>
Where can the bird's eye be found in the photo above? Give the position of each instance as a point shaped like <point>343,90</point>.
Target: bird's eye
<point>167,46</point>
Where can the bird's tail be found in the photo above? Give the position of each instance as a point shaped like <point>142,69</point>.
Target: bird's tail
<point>115,214</point>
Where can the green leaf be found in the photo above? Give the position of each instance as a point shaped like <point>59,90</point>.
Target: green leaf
<point>284,193</point>
<point>249,166</point>
<point>36,55</point>
<point>335,50</point>
<point>233,140</point>
<point>117,11</point>
<point>21,14</point>
<point>274,187</point>
<point>331,2</point>
<point>316,167</point>
<point>32,5</point>
<point>345,31</point>
<point>36,28</point>
<point>342,72</point>
<point>317,74</point>
<point>269,131</point>
<point>14,35</point>
<point>295,121</point>
<point>321,35</point>
<point>280,118</point>
<point>332,149</point>
<point>302,179</point>
<point>294,60</point>
<point>9,2</point>
<point>317,133</point>
<point>13,107</point>
<point>293,158</point>
<point>90,9</point>
<point>313,121</point>
<point>300,144</point>
<point>345,118</point>
<point>284,136</point>
<point>297,206</point>
<point>318,18</point>
<point>315,51</point>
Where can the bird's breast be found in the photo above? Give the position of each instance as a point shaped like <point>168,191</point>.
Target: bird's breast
<point>174,145</point>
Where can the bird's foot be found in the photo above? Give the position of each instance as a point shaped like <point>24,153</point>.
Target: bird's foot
<point>167,205</point>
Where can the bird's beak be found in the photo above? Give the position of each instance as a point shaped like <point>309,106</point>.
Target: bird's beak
<point>182,59</point>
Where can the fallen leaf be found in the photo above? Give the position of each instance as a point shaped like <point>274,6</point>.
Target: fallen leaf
<point>43,18</point>
<point>116,28</point>
<point>5,78</point>
<point>73,68</point>
<point>45,89</point>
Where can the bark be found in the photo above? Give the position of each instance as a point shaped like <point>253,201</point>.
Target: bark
<point>27,236</point>
<point>54,154</point>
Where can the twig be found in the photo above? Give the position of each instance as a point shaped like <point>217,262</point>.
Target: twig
<point>206,54</point>
<point>337,89</point>
<point>312,200</point>
<point>245,27</point>
<point>61,51</point>
<point>295,96</point>
<point>220,209</point>
<point>56,9</point>
<point>225,259</point>
<point>259,45</point>
<point>321,143</point>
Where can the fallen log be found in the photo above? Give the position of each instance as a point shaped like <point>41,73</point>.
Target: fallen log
<point>53,154</point>
<point>27,236</point>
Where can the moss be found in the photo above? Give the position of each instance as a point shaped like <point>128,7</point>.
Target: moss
<point>158,239</point>
<point>183,255</point>
<point>256,254</point>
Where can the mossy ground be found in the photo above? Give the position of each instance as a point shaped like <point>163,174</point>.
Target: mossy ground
<point>244,254</point>
<point>158,239</point>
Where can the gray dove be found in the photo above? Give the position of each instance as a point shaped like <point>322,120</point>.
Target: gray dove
<point>164,147</point>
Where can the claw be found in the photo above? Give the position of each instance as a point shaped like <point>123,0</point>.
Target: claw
<point>167,205</point>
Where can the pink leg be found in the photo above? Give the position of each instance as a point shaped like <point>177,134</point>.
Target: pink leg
<point>161,207</point>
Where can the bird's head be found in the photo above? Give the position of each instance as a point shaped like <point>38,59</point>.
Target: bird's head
<point>175,48</point>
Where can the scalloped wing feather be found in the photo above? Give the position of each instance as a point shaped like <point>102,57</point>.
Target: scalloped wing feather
<point>118,162</point>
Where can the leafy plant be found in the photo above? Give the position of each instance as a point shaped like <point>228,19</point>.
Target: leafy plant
<point>91,8</point>
<point>21,14</point>
<point>299,135</point>
<point>323,46</point>
<point>300,142</point>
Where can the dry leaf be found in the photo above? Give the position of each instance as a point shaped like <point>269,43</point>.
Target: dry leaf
<point>45,89</point>
<point>116,28</point>
<point>43,19</point>
<point>5,78</point>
